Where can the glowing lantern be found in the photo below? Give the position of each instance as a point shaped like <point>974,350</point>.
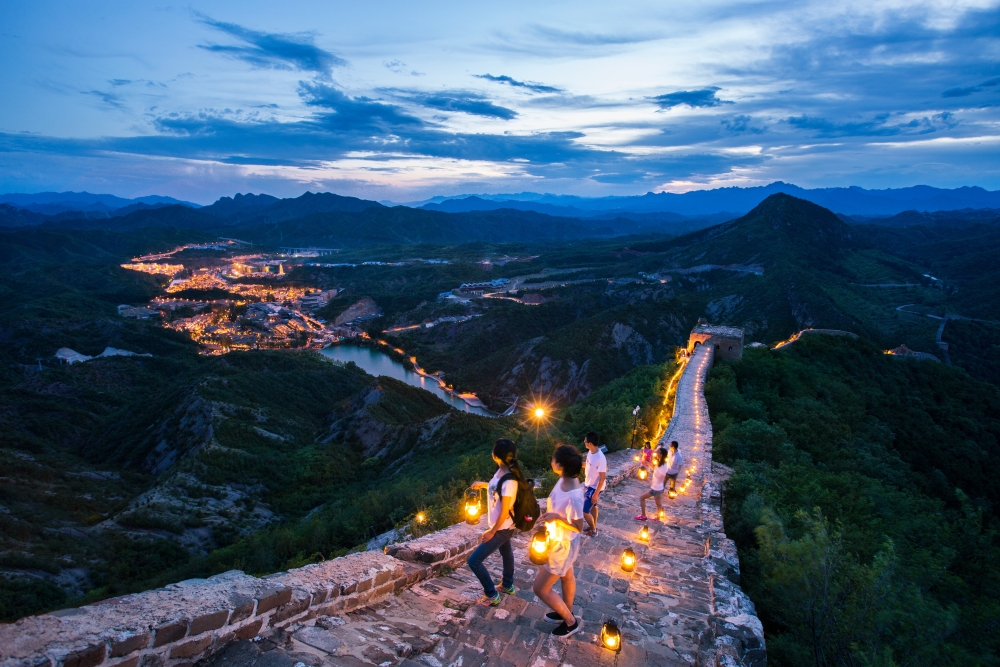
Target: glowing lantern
<point>643,473</point>
<point>473,508</point>
<point>611,637</point>
<point>628,560</point>
<point>421,517</point>
<point>539,413</point>
<point>538,552</point>
<point>672,493</point>
<point>644,533</point>
<point>662,516</point>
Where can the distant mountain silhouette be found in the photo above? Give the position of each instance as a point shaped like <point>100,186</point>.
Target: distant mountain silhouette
<point>850,201</point>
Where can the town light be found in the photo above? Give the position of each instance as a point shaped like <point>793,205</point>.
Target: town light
<point>538,552</point>
<point>628,560</point>
<point>644,533</point>
<point>539,413</point>
<point>473,508</point>
<point>643,473</point>
<point>611,637</point>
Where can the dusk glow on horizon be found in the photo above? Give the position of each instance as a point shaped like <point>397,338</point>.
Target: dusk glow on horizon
<point>403,101</point>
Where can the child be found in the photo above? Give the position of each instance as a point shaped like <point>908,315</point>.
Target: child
<point>563,521</point>
<point>674,464</point>
<point>501,525</point>
<point>596,474</point>
<point>655,487</point>
<point>647,454</point>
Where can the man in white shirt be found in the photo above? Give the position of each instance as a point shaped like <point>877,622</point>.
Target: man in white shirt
<point>596,474</point>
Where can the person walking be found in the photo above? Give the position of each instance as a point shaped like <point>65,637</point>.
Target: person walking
<point>563,521</point>
<point>499,502</point>
<point>655,486</point>
<point>674,464</point>
<point>647,454</point>
<point>596,474</point>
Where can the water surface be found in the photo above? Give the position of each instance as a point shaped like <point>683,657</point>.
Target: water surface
<point>375,362</point>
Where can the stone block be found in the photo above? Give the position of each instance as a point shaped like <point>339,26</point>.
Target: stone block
<point>128,662</point>
<point>191,648</point>
<point>90,656</point>
<point>207,622</point>
<point>242,607</point>
<point>364,585</point>
<point>271,598</point>
<point>250,630</point>
<point>124,643</point>
<point>298,604</point>
<point>169,632</point>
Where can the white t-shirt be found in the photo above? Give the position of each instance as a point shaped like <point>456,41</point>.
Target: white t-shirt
<point>568,505</point>
<point>596,464</point>
<point>659,477</point>
<point>494,503</point>
<point>674,462</point>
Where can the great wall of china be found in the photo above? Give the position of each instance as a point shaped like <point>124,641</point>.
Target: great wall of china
<point>414,605</point>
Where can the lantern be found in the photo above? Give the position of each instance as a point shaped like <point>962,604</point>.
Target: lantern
<point>473,508</point>
<point>628,560</point>
<point>538,551</point>
<point>672,493</point>
<point>611,637</point>
<point>421,517</point>
<point>644,533</point>
<point>635,458</point>
<point>643,473</point>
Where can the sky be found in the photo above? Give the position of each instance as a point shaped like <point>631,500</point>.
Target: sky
<point>401,101</point>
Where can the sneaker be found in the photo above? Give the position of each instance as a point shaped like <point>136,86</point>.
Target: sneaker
<point>488,601</point>
<point>641,517</point>
<point>566,630</point>
<point>507,591</point>
<point>553,617</point>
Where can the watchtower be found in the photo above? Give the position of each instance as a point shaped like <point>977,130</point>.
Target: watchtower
<point>727,341</point>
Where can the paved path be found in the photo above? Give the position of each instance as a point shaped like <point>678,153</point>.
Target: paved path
<point>665,607</point>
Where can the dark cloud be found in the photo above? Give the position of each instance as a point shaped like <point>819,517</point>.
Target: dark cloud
<point>880,126</point>
<point>456,101</point>
<point>964,92</point>
<point>705,97</point>
<point>109,99</point>
<point>527,85</point>
<point>742,125</point>
<point>265,50</point>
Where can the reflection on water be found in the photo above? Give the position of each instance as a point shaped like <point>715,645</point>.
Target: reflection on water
<point>378,363</point>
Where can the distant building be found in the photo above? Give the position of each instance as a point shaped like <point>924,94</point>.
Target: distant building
<point>483,287</point>
<point>727,341</point>
<point>903,351</point>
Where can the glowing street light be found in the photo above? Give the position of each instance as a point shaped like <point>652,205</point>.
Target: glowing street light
<point>539,413</point>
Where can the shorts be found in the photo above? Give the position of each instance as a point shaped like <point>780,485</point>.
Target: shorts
<point>588,496</point>
<point>655,493</point>
<point>562,555</point>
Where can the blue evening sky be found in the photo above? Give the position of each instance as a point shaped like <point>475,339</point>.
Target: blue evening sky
<point>386,99</point>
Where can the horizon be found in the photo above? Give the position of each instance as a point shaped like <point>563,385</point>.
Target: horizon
<point>405,103</point>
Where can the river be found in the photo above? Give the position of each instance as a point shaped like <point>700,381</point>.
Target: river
<point>378,363</point>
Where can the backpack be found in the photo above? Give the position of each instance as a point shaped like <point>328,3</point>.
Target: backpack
<point>525,509</point>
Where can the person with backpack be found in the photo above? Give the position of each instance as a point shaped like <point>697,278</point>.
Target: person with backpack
<point>655,487</point>
<point>674,464</point>
<point>509,499</point>
<point>563,521</point>
<point>594,480</point>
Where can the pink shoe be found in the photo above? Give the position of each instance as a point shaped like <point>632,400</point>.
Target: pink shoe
<point>641,517</point>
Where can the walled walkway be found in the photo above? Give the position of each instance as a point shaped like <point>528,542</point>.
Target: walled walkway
<point>414,606</point>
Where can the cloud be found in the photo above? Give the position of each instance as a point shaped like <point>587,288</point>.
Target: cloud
<point>455,101</point>
<point>110,99</point>
<point>399,67</point>
<point>693,98</point>
<point>964,92</point>
<point>527,85</point>
<point>591,38</point>
<point>741,125</point>
<point>877,127</point>
<point>265,50</point>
